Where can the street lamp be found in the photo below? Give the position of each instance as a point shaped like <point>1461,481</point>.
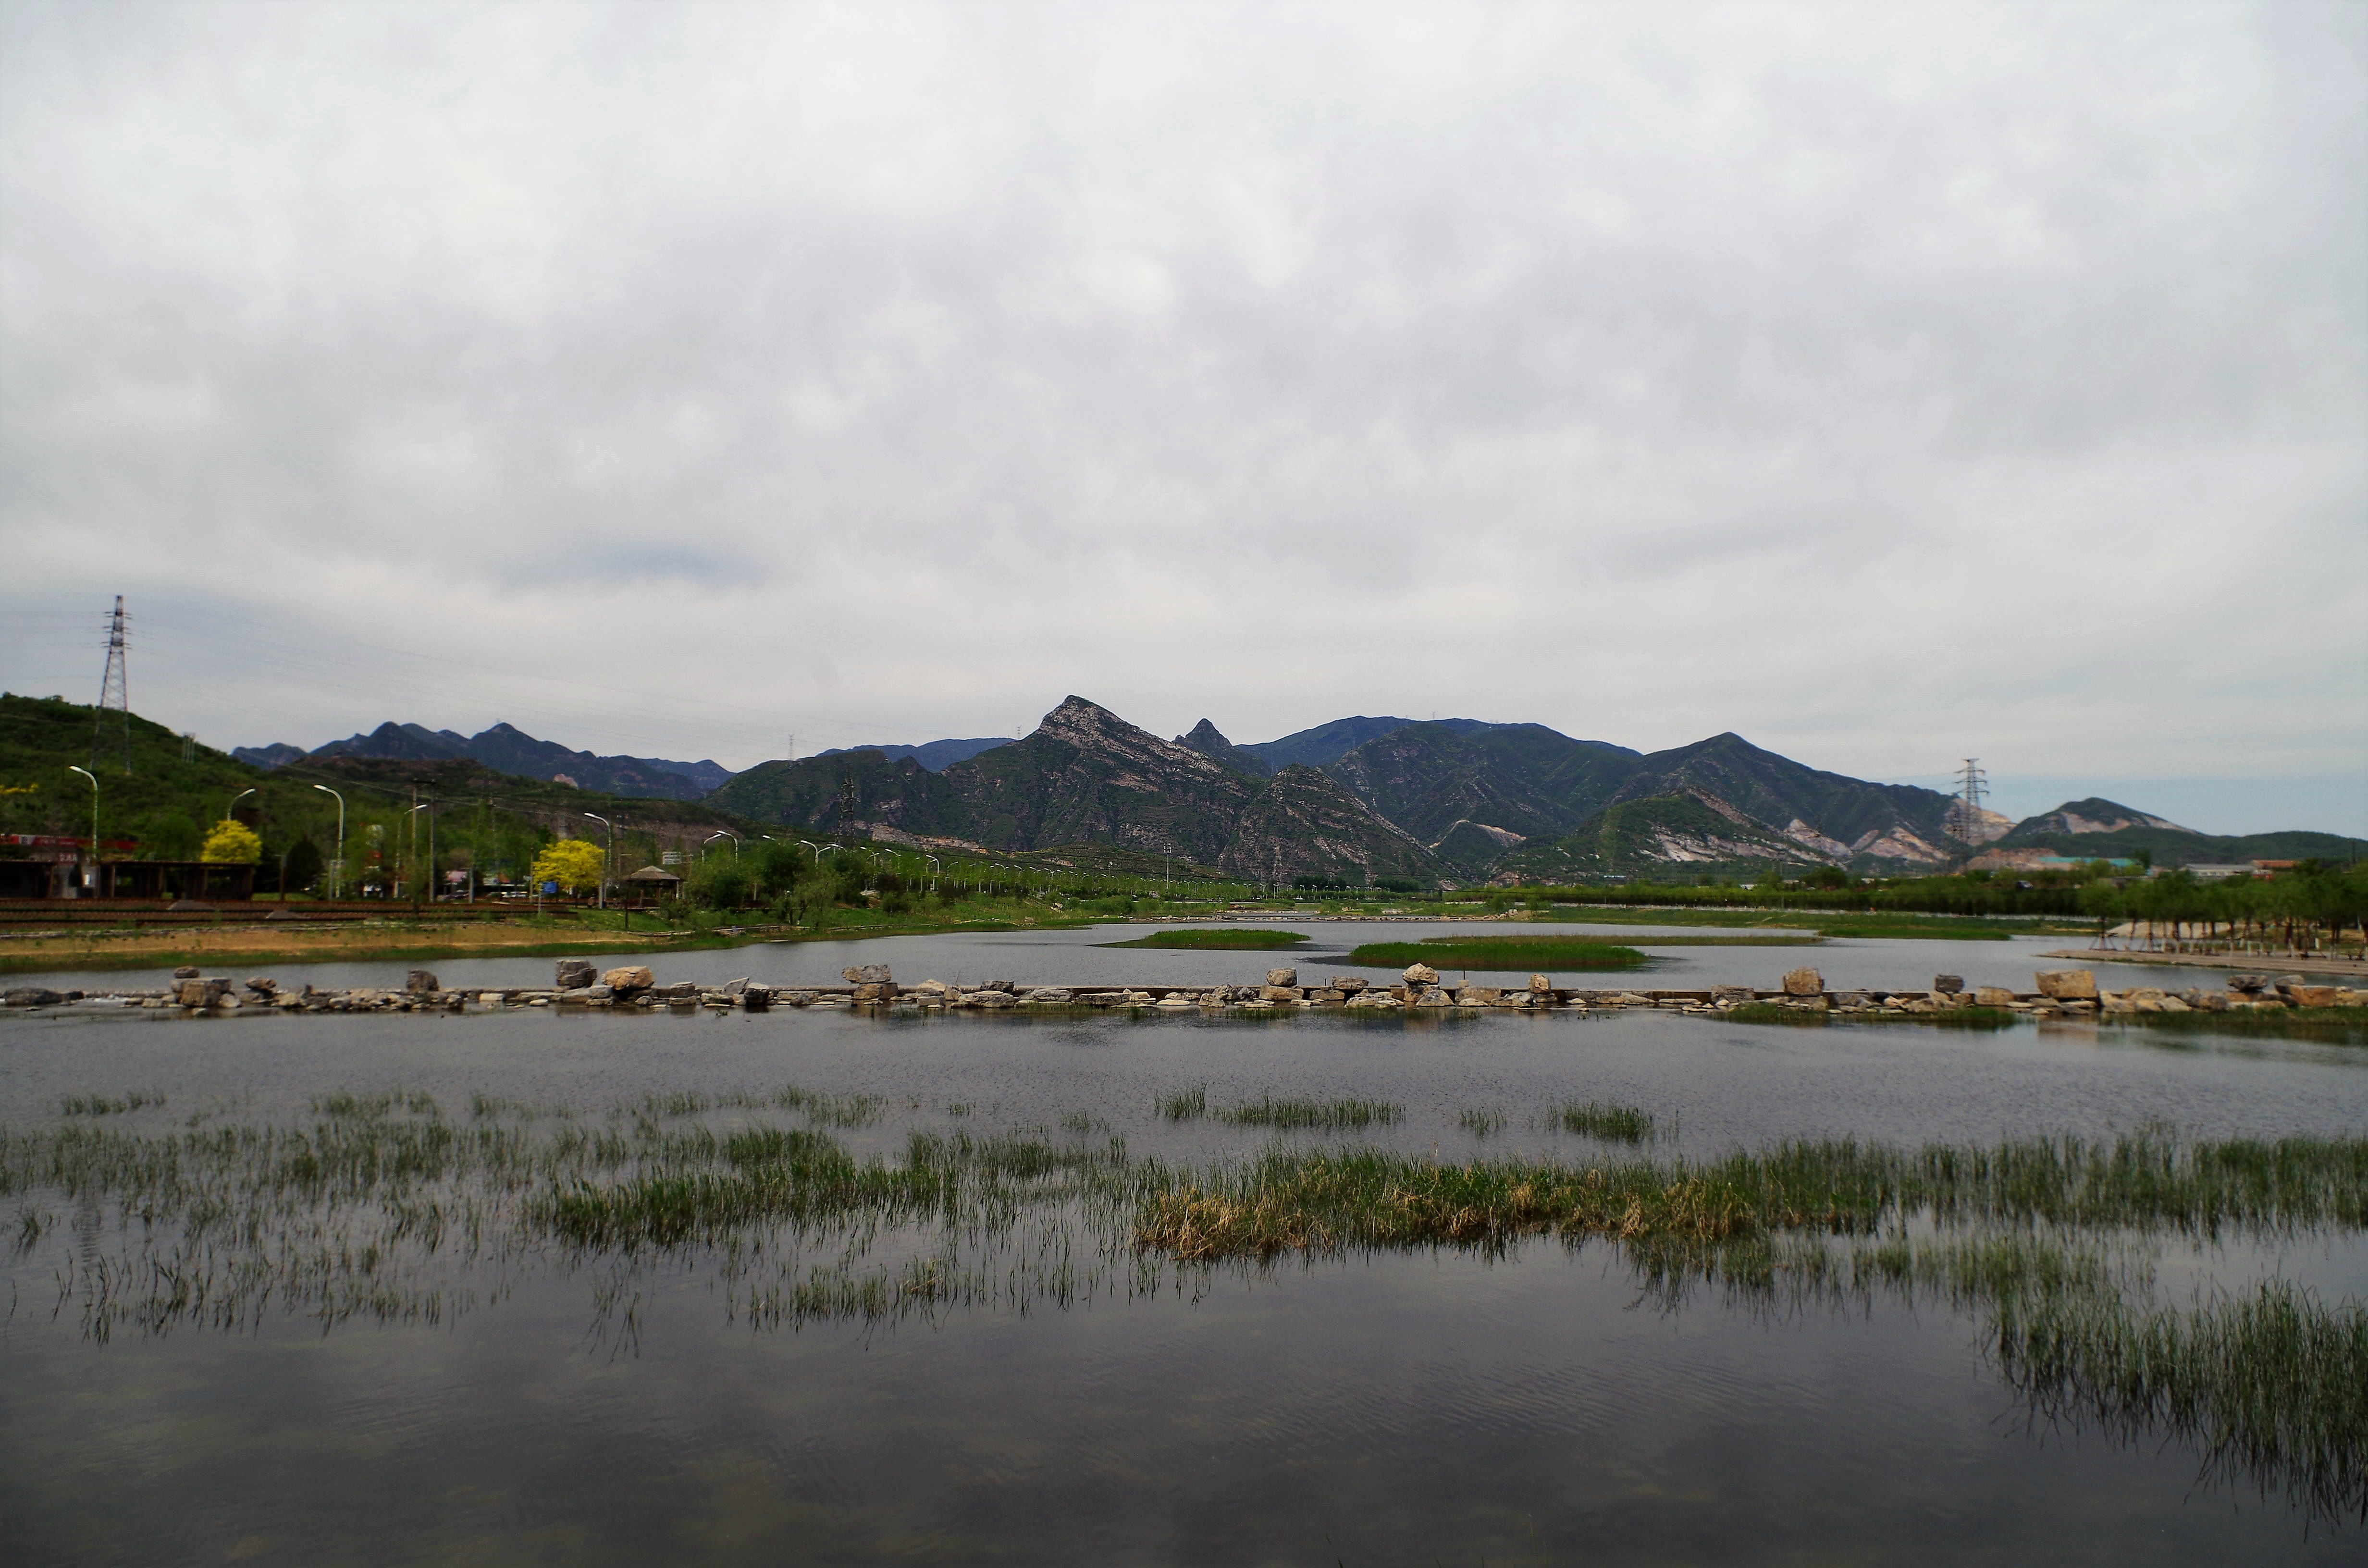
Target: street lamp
<point>86,773</point>
<point>337,862</point>
<point>230,812</point>
<point>722,833</point>
<point>602,900</point>
<point>810,844</point>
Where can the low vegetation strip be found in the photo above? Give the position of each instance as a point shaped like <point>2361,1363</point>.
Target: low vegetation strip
<point>1522,954</point>
<point>1329,1202</point>
<point>1196,939</point>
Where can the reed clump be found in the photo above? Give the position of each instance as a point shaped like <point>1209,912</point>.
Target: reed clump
<point>107,1105</point>
<point>1611,1123</point>
<point>1289,1201</point>
<point>1269,1111</point>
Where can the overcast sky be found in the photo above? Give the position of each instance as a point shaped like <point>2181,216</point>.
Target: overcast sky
<point>1888,384</point>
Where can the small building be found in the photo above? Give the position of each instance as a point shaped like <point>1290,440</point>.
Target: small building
<point>209,882</point>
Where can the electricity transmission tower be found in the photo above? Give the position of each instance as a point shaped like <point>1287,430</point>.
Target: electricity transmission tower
<point>114,697</point>
<point>1966,815</point>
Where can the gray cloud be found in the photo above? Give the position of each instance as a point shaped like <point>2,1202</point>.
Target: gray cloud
<point>1886,383</point>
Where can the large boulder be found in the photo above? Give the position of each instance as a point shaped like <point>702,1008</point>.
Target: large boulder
<point>2314,995</point>
<point>1540,985</point>
<point>1279,992</point>
<point>1993,997</point>
<point>33,996</point>
<point>1421,974</point>
<point>2067,984</point>
<point>1948,984</point>
<point>1803,982</point>
<point>186,971</point>
<point>575,974</point>
<point>420,979</point>
<point>866,974</point>
<point>1282,977</point>
<point>627,980</point>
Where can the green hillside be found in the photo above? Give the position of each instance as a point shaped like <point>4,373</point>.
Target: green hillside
<point>174,793</point>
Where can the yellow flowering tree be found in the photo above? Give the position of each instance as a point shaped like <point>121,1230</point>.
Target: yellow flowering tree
<point>232,842</point>
<point>573,863</point>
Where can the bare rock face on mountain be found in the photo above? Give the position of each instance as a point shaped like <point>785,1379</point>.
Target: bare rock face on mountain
<point>1088,777</point>
<point>1829,816</point>
<point>1685,827</point>
<point>1210,743</point>
<point>1303,824</point>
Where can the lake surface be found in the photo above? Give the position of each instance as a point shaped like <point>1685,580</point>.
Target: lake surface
<point>1439,1406</point>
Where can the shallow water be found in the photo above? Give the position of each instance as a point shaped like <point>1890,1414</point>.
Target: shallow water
<point>1433,1407</point>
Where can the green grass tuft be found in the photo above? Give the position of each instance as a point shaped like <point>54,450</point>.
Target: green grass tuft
<point>1198,939</point>
<point>1524,954</point>
<point>1611,1123</point>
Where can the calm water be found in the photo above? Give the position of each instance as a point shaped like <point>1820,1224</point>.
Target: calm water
<point>1396,1409</point>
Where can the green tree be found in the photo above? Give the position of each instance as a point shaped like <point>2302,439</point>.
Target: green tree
<point>232,842</point>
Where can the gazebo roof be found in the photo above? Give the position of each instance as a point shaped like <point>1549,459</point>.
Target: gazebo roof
<point>653,874</point>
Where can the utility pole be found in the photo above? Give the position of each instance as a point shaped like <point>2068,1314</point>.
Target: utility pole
<point>114,694</point>
<point>1965,816</point>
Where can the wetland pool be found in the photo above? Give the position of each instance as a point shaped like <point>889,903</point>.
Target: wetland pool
<point>211,1359</point>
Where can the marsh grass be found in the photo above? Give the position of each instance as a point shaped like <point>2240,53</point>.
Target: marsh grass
<point>1483,1122</point>
<point>1329,1202</point>
<point>837,1111</point>
<point>378,1209</point>
<point>1525,954</point>
<point>1197,939</point>
<point>1328,1113</point>
<point>1611,1123</point>
<point>103,1105</point>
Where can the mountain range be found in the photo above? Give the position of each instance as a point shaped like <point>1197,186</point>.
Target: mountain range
<point>513,750</point>
<point>1362,799</point>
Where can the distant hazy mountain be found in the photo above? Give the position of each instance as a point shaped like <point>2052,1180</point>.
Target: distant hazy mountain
<point>1324,744</point>
<point>511,750</point>
<point>935,756</point>
<point>2106,830</point>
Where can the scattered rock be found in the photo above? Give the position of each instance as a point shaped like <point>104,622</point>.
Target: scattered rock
<point>420,979</point>
<point>575,974</point>
<point>2067,984</point>
<point>32,996</point>
<point>875,991</point>
<point>1993,997</point>
<point>2314,995</point>
<point>1948,984</point>
<point>1047,993</point>
<point>2250,985</point>
<point>1732,995</point>
<point>872,974</point>
<point>755,998</point>
<point>1421,974</point>
<point>186,971</point>
<point>1279,992</point>
<point>1803,982</point>
<point>1348,984</point>
<point>1282,977</point>
<point>627,979</point>
<point>1539,984</point>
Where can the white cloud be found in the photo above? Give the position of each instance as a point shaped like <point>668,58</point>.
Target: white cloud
<point>1886,383</point>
